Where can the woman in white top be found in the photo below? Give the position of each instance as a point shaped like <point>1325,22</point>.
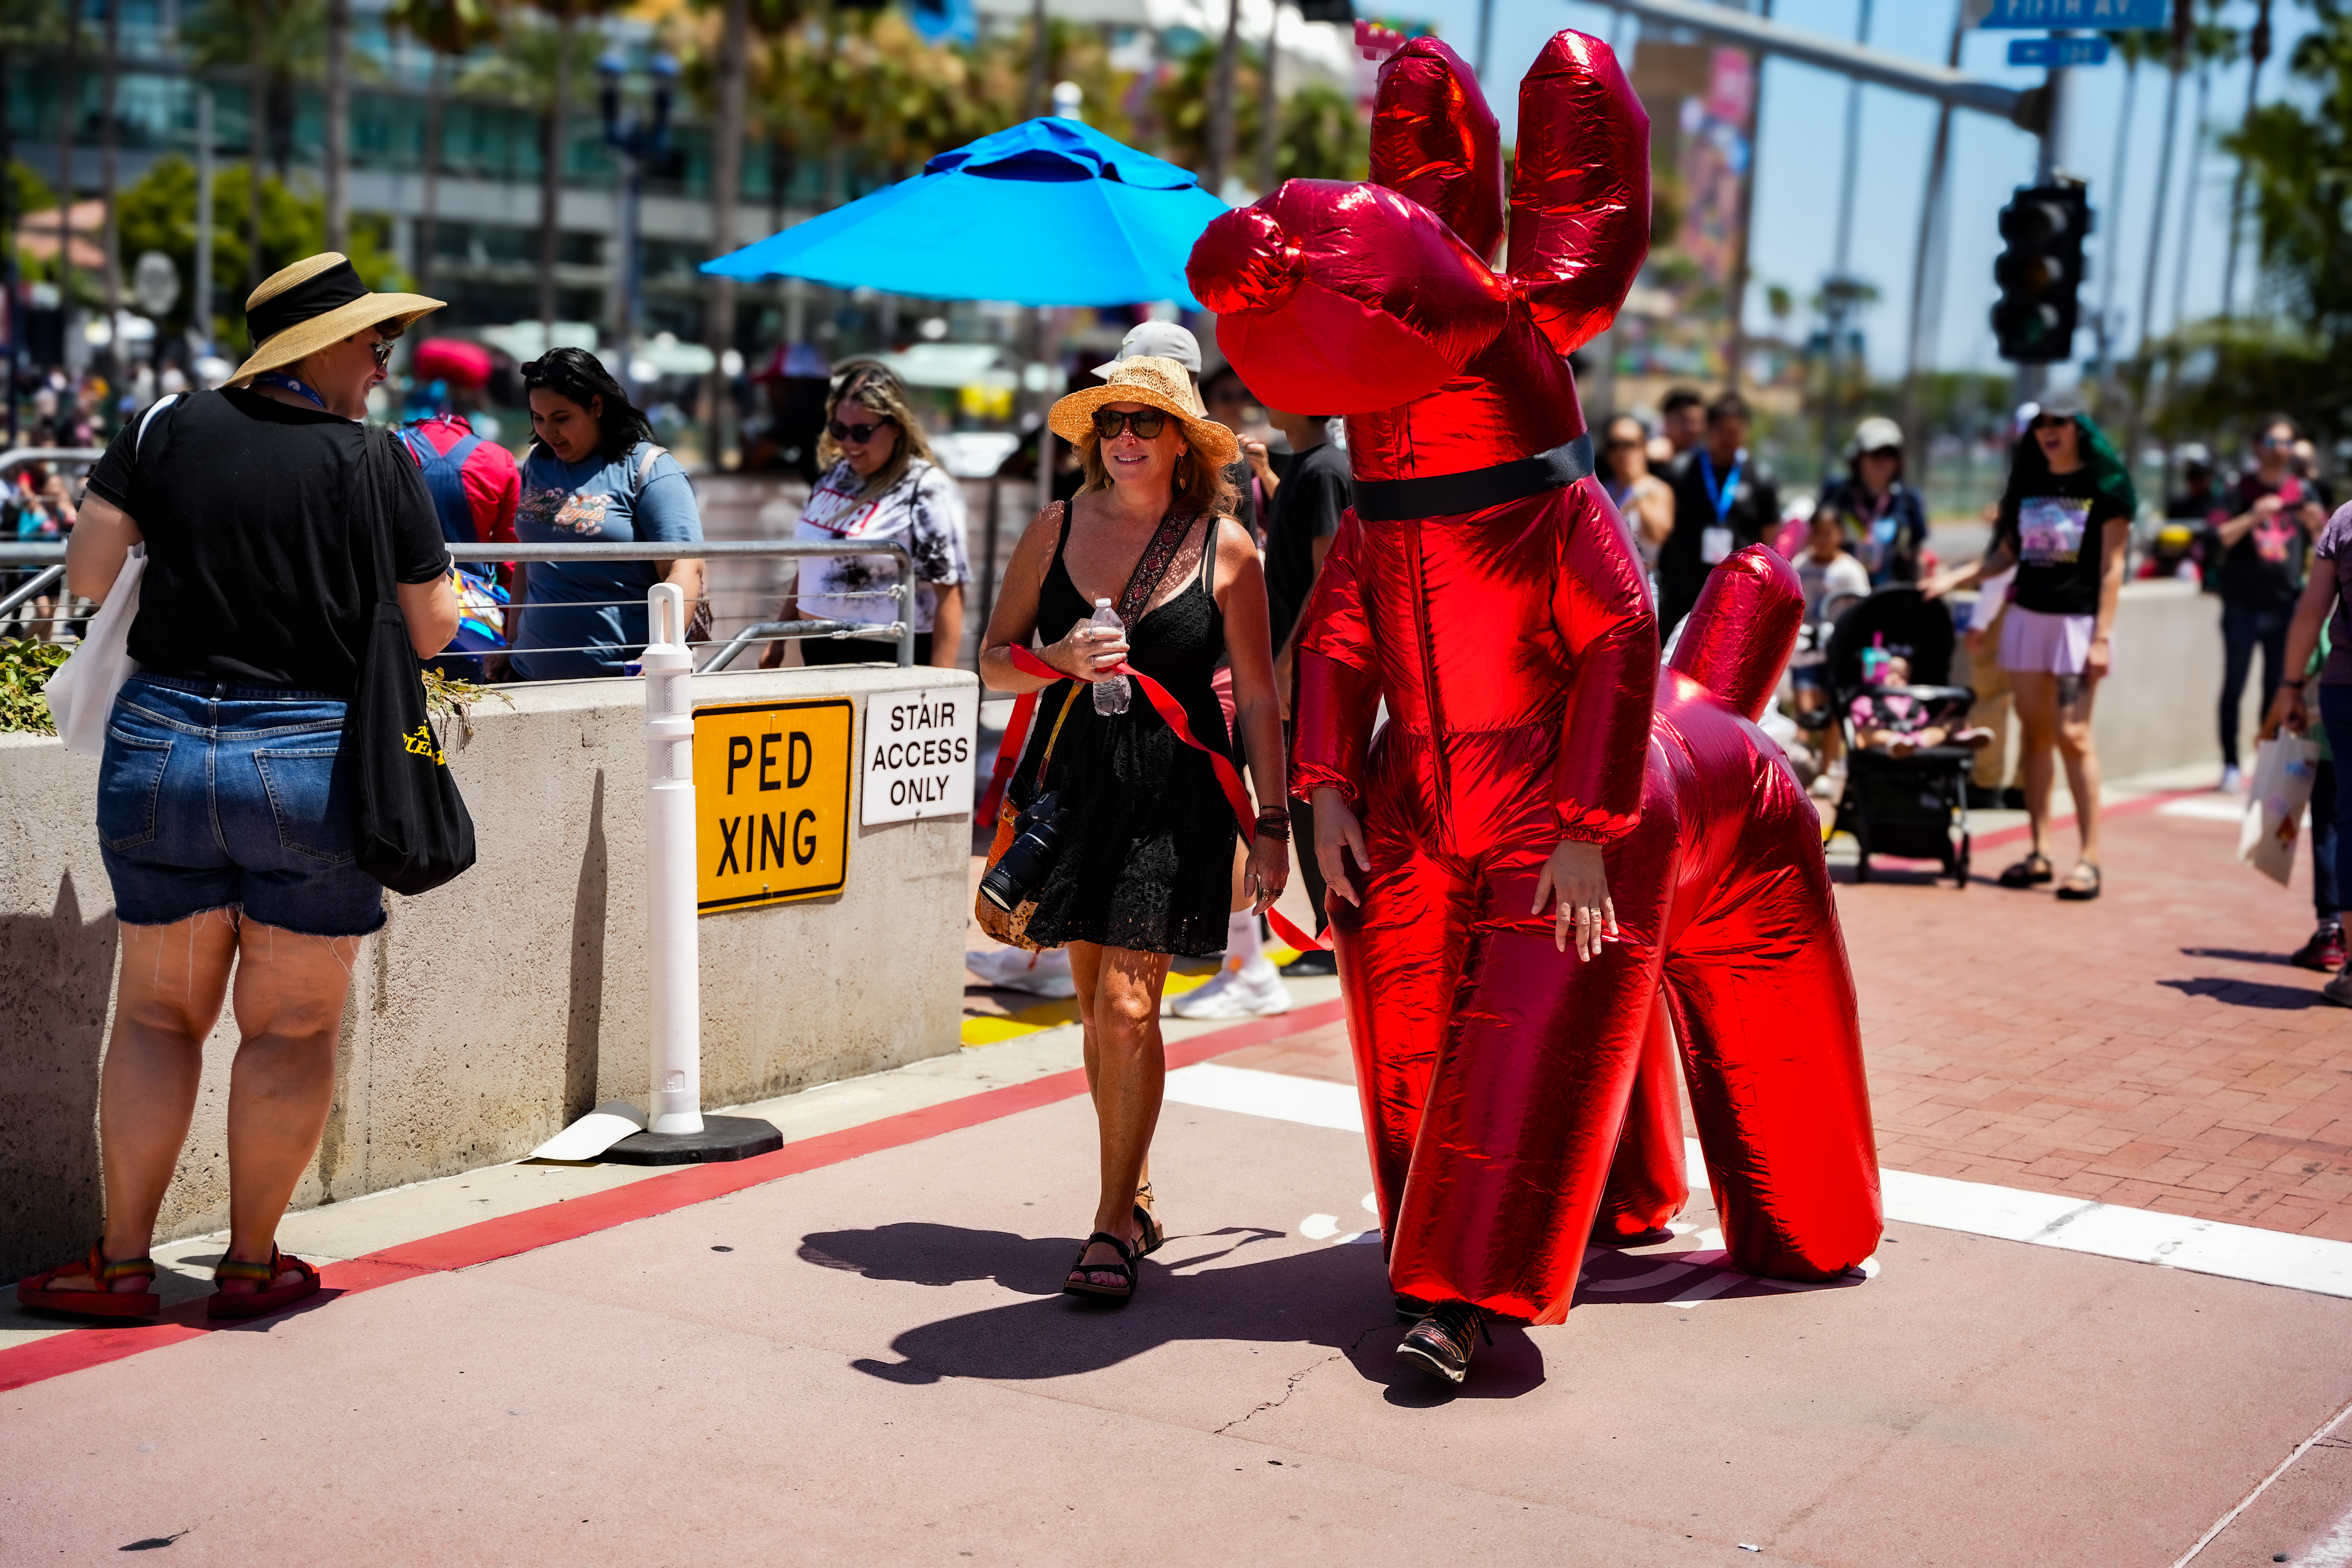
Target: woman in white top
<point>880,482</point>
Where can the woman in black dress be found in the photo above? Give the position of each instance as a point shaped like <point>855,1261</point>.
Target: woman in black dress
<point>1145,867</point>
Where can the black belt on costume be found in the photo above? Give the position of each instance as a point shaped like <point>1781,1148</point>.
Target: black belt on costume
<point>1443,495</point>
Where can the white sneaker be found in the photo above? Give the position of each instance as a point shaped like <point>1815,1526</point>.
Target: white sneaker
<point>2233,781</point>
<point>1256,992</point>
<point>1043,973</point>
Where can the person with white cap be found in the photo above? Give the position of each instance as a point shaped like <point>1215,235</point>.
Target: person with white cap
<point>1885,525</point>
<point>223,798</point>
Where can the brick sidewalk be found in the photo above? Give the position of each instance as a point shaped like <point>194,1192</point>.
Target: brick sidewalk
<point>2098,1048</point>
<point>2152,1049</point>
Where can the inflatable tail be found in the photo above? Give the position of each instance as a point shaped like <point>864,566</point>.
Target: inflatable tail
<point>1740,634</point>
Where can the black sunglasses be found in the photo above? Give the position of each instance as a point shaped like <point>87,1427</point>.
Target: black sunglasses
<point>382,348</point>
<point>2052,422</point>
<point>1147,422</point>
<point>861,433</point>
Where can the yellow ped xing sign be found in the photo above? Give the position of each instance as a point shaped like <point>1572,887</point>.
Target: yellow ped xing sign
<point>771,801</point>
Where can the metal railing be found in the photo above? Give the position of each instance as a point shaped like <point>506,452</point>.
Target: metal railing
<point>899,631</point>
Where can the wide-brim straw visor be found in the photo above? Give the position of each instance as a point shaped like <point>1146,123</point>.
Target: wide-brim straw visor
<point>318,302</point>
<point>1159,383</point>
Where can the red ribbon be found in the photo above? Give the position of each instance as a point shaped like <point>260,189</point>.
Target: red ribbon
<point>1229,777</point>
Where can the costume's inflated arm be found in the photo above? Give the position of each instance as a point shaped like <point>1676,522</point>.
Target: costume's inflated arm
<point>1580,193</point>
<point>1338,682</point>
<point>1435,141</point>
<point>1602,610</point>
<point>1344,299</point>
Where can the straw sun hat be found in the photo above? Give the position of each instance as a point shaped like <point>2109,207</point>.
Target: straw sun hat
<point>319,300</point>
<point>1158,383</point>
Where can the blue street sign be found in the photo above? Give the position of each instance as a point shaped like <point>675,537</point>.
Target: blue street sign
<point>2090,51</point>
<point>2110,15</point>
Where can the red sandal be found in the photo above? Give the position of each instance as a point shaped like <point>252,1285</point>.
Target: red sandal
<point>266,1299</point>
<point>103,1302</point>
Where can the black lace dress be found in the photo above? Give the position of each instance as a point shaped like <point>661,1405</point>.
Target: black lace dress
<point>1149,862</point>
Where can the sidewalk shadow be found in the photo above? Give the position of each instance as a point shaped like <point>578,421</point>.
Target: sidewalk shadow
<point>2249,993</point>
<point>1333,1296</point>
<point>2235,955</point>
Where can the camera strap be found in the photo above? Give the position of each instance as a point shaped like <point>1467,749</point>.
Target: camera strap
<point>1229,777</point>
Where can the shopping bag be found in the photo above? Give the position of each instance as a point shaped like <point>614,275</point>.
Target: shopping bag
<point>410,830</point>
<point>2283,770</point>
<point>82,693</point>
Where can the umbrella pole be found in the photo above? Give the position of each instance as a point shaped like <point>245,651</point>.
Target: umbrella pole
<point>988,573</point>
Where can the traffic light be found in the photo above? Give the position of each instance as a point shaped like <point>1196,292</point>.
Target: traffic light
<point>2040,271</point>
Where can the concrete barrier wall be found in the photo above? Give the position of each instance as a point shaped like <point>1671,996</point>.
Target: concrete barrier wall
<point>492,1011</point>
<point>2158,711</point>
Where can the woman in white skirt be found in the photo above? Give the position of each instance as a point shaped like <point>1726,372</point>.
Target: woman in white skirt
<point>2065,523</point>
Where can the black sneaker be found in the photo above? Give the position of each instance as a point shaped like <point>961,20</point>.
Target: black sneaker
<point>1308,965</point>
<point>1410,1309</point>
<point>1441,1342</point>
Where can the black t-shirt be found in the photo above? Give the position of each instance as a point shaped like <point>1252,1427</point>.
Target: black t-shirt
<point>253,575</point>
<point>1752,516</point>
<point>2263,571</point>
<point>1316,489</point>
<point>2056,534</point>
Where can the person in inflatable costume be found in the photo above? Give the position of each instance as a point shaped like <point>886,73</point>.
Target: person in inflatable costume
<point>1485,590</point>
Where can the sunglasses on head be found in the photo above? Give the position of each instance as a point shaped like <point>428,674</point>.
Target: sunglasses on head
<point>861,433</point>
<point>1147,422</point>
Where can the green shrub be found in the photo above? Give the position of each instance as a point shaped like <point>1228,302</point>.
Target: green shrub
<point>25,667</point>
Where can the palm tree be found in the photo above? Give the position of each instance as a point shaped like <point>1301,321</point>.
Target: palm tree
<point>2258,50</point>
<point>339,123</point>
<point>450,29</point>
<point>1222,135</point>
<point>535,71</point>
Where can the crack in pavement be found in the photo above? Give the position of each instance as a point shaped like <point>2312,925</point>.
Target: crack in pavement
<point>1291,1386</point>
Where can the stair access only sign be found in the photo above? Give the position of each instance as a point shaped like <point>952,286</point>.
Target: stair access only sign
<point>771,801</point>
<point>919,755</point>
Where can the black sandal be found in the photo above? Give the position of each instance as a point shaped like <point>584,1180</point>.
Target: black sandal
<point>2034,869</point>
<point>1149,1234</point>
<point>2077,893</point>
<point>1124,1267</point>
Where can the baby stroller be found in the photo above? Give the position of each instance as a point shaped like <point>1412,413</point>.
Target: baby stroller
<point>1915,807</point>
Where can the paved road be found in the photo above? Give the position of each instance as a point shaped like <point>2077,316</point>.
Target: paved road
<point>852,1352</point>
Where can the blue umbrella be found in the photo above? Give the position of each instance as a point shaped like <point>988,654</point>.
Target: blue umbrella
<point>1049,211</point>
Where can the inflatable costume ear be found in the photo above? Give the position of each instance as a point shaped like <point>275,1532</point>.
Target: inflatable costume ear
<point>1739,635</point>
<point>1580,193</point>
<point>1435,141</point>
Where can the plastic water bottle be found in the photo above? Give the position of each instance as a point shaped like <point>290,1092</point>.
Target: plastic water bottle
<point>1111,692</point>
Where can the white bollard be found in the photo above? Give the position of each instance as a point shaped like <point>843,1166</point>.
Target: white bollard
<point>674,1100</point>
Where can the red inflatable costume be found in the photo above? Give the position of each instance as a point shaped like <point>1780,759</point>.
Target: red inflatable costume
<point>1486,590</point>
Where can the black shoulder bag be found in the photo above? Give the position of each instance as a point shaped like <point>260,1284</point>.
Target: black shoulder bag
<point>409,828</point>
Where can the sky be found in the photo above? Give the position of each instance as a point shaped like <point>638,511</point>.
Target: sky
<point>1801,152</point>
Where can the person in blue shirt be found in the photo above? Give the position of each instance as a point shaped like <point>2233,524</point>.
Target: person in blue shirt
<point>1885,525</point>
<point>594,473</point>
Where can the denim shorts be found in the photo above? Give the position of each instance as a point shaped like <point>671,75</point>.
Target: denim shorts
<point>215,796</point>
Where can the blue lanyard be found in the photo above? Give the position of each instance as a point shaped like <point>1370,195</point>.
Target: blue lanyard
<point>1722,495</point>
<point>279,379</point>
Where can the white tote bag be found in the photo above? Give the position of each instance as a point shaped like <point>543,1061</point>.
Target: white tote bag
<point>82,693</point>
<point>2283,772</point>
